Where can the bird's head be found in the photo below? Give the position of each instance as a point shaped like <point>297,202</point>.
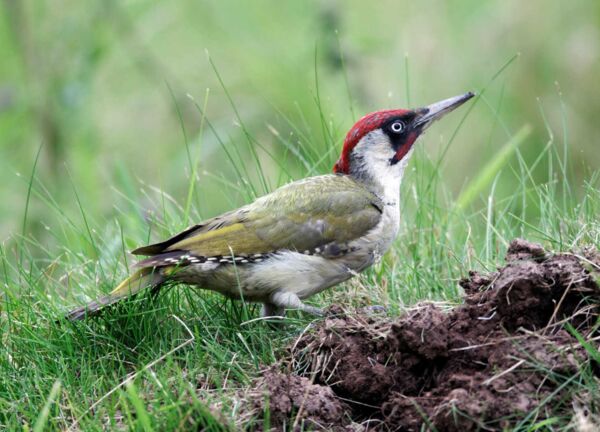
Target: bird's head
<point>379,144</point>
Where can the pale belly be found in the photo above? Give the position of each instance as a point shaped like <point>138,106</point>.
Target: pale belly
<point>288,271</point>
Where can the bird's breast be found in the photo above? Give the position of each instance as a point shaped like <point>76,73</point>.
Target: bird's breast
<point>379,239</point>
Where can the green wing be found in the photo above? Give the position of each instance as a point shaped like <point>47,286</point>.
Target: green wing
<point>303,215</point>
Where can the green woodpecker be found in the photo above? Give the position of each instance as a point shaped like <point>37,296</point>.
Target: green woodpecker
<point>304,237</point>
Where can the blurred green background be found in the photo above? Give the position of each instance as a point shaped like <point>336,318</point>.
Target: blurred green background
<point>108,91</point>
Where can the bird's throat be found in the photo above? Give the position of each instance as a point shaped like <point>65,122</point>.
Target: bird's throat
<point>385,183</point>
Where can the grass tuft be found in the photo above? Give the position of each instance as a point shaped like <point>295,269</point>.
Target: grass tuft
<point>166,363</point>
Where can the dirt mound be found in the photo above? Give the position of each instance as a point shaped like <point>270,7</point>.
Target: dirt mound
<point>293,402</point>
<point>485,363</point>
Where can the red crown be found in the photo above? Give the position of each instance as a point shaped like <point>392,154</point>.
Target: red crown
<point>362,127</point>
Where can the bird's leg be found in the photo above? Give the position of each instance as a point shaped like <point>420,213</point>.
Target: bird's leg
<point>271,310</point>
<point>290,300</point>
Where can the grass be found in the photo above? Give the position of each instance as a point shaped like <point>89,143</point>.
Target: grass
<point>161,364</point>
<point>165,363</point>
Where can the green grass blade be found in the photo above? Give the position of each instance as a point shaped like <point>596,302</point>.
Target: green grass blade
<point>40,423</point>
<point>137,402</point>
<point>487,174</point>
<point>27,201</point>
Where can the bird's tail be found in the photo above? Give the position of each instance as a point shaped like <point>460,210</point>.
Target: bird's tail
<point>147,277</point>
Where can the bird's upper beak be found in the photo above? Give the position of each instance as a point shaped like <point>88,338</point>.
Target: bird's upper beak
<point>430,113</point>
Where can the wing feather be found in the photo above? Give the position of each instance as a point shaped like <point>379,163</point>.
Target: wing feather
<point>304,215</point>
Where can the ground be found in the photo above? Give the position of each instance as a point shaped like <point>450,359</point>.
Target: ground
<point>489,364</point>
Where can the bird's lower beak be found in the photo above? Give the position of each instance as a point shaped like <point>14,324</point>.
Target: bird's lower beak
<point>432,112</point>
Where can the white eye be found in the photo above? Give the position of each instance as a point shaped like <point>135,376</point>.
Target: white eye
<point>397,127</point>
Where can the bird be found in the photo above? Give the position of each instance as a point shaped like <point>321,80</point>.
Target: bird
<point>302,238</point>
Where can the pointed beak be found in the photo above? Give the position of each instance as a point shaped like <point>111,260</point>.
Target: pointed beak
<point>431,113</point>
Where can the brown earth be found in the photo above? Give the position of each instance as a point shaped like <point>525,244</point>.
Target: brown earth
<point>482,365</point>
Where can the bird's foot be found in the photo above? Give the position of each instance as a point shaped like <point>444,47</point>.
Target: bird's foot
<point>312,310</point>
<point>290,300</point>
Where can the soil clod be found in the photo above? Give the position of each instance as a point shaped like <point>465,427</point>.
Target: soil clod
<point>293,402</point>
<point>482,365</point>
